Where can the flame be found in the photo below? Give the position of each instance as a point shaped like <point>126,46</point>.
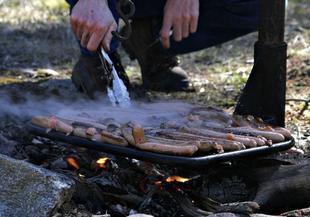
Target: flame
<point>158,183</point>
<point>81,175</point>
<point>73,163</point>
<point>101,162</point>
<point>177,179</point>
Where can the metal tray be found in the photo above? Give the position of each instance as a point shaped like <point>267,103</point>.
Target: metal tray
<point>131,152</point>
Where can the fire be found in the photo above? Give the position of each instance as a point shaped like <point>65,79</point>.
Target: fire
<point>171,179</point>
<point>101,163</point>
<point>177,179</point>
<point>73,163</point>
<point>81,175</point>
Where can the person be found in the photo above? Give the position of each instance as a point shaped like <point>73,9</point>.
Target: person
<point>183,26</point>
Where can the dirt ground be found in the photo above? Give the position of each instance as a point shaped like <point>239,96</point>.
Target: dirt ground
<point>37,45</point>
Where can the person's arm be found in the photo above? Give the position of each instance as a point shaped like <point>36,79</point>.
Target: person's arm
<point>92,22</point>
<point>181,17</point>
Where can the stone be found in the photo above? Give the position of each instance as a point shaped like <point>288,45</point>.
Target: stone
<point>140,215</point>
<point>28,190</point>
<point>7,147</point>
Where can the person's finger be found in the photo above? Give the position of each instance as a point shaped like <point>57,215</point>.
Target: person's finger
<point>186,19</point>
<point>165,32</point>
<point>177,30</point>
<point>79,30</point>
<point>74,23</point>
<point>108,37</point>
<point>185,26</point>
<point>194,24</point>
<point>94,41</point>
<point>85,39</point>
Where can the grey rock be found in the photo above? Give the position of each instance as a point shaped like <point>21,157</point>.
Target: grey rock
<point>7,146</point>
<point>28,190</point>
<point>140,215</point>
<point>227,214</point>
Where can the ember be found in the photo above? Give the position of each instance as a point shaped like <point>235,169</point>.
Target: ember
<point>72,163</point>
<point>81,175</point>
<point>101,163</point>
<point>171,179</point>
<point>177,179</point>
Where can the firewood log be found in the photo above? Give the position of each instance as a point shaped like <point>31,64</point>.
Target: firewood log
<point>113,139</point>
<point>186,150</point>
<point>52,123</point>
<point>286,181</point>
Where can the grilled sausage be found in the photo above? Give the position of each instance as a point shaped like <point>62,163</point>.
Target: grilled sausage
<point>127,133</point>
<point>113,139</point>
<point>138,134</point>
<point>52,123</point>
<point>250,143</point>
<point>187,150</point>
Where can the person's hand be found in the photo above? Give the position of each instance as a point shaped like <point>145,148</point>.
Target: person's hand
<point>92,22</point>
<point>181,17</point>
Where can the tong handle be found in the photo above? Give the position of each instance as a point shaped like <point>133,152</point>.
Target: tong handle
<point>125,16</point>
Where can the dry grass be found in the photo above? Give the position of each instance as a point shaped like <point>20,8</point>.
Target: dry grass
<point>36,34</point>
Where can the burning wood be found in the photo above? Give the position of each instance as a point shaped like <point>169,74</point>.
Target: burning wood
<point>101,163</point>
<point>177,179</point>
<point>73,163</point>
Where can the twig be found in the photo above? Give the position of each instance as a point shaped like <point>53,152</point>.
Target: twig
<point>298,100</point>
<point>187,206</point>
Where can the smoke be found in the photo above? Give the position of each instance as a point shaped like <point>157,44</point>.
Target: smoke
<point>26,105</point>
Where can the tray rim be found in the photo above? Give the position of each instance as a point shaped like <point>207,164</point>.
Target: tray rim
<point>172,160</point>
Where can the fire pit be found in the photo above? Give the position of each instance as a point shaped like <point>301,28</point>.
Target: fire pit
<point>119,184</point>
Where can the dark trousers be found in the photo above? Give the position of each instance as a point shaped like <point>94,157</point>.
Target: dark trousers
<point>219,21</point>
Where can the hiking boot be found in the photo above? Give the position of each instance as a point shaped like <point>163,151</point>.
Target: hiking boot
<point>159,69</point>
<point>90,76</point>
